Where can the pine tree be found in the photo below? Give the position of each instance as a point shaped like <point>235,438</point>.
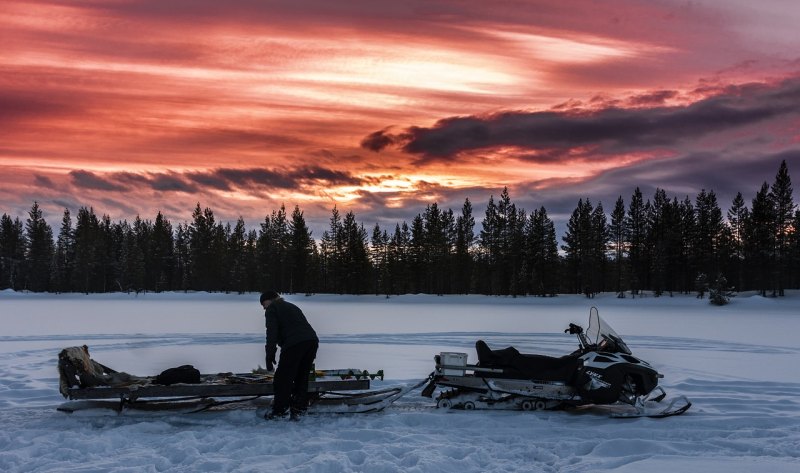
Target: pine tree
<point>300,250</point>
<point>417,257</point>
<point>161,262</point>
<point>719,293</point>
<point>356,256</point>
<point>237,254</point>
<point>737,217</point>
<point>541,254</point>
<point>133,259</point>
<point>617,232</point>
<point>437,242</point>
<point>181,274</point>
<point>709,232</point>
<point>464,241</point>
<point>399,264</point>
<point>251,262</point>
<point>331,254</point>
<point>759,244</point>
<point>489,255</point>
<point>201,241</point>
<point>688,230</point>
<point>87,275</point>
<point>580,249</point>
<point>64,258</point>
<point>379,256</point>
<point>783,203</point>
<point>12,253</point>
<point>40,250</point>
<point>599,238</point>
<point>142,265</point>
<point>636,227</point>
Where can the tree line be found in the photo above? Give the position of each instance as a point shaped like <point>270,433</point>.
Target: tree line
<point>659,244</point>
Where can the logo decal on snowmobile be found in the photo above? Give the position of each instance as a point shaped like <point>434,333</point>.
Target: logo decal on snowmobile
<point>595,382</point>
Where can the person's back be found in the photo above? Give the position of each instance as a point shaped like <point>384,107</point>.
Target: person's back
<point>290,324</point>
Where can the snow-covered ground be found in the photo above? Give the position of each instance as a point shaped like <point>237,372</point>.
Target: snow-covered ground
<point>738,365</point>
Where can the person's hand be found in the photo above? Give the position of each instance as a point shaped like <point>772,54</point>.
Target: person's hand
<point>270,364</point>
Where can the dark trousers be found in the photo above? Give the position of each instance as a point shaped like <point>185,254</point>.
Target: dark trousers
<point>291,376</point>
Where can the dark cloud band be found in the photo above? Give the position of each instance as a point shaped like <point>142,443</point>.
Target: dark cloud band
<point>606,131</point>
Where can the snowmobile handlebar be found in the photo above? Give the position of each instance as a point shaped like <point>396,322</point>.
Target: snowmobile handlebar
<point>574,329</point>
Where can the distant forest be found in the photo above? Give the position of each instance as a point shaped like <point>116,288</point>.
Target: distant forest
<point>659,244</point>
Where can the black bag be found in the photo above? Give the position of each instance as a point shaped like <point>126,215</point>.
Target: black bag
<point>187,374</point>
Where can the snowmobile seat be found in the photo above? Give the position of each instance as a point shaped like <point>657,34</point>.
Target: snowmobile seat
<point>522,366</point>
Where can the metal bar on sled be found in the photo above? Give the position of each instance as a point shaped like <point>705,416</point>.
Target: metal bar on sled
<point>208,390</point>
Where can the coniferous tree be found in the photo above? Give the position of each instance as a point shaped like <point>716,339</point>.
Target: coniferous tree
<point>737,216</point>
<point>379,257</point>
<point>783,203</point>
<point>332,254</point>
<point>237,254</point>
<point>515,231</point>
<point>399,261</point>
<point>181,274</point>
<point>40,250</point>
<point>636,227</point>
<point>490,255</point>
<point>541,254</point>
<point>794,251</point>
<point>12,253</point>
<point>64,257</point>
<point>279,249</point>
<point>599,238</point>
<point>579,249</point>
<point>437,233</point>
<point>141,239</point>
<point>87,274</point>
<point>201,241</point>
<point>759,244</point>
<point>709,232</point>
<point>617,232</point>
<point>133,266</point>
<point>464,240</point>
<point>251,263</point>
<point>162,254</point>
<point>688,229</point>
<point>657,241</point>
<point>109,251</point>
<point>356,256</point>
<point>300,250</point>
<point>508,227</point>
<point>676,258</point>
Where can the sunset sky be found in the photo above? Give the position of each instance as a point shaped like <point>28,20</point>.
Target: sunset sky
<point>383,107</point>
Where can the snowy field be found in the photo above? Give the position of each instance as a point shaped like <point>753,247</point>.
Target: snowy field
<point>738,364</point>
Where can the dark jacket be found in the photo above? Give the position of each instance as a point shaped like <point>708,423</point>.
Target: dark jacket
<point>286,326</point>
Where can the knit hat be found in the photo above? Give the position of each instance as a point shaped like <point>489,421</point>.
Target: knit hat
<point>268,295</point>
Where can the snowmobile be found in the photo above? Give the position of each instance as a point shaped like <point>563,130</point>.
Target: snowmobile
<point>602,371</point>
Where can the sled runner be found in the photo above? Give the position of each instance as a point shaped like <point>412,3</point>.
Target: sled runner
<point>602,372</point>
<point>90,385</point>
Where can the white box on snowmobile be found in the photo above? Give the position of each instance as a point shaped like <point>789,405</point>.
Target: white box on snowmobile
<point>449,358</point>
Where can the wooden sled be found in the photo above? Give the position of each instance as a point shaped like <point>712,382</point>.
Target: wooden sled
<point>90,385</point>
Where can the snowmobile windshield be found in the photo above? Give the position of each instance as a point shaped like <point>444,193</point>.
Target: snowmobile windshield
<point>603,336</point>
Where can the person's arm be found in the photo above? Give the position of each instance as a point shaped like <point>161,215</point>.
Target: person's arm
<point>271,344</point>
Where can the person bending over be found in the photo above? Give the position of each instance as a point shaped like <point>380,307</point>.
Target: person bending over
<point>288,329</point>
